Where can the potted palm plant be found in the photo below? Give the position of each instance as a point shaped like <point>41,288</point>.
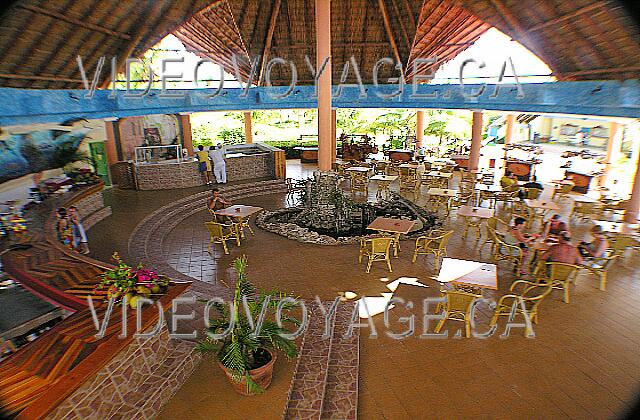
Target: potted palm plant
<point>246,358</point>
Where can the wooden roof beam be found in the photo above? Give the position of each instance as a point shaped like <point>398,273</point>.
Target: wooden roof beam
<point>275,10</point>
<point>582,10</point>
<point>603,71</point>
<point>47,78</point>
<point>521,36</point>
<point>154,13</point>
<point>389,30</point>
<point>72,20</point>
<point>405,34</point>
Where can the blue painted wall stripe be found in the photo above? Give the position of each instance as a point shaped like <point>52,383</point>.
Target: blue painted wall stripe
<point>599,98</point>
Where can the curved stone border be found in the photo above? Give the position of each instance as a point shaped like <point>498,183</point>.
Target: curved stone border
<point>146,243</point>
<point>305,235</point>
<point>302,234</point>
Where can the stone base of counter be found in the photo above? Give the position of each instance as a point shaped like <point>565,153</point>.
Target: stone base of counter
<point>185,175</point>
<point>168,176</point>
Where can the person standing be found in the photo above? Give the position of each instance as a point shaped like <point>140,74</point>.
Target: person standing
<point>80,241</point>
<point>219,165</point>
<point>63,228</point>
<point>204,164</point>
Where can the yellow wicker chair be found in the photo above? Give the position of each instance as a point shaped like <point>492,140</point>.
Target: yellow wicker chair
<point>472,223</point>
<point>376,249</point>
<point>561,276</point>
<point>503,251</point>
<point>392,168</point>
<point>532,193</point>
<point>435,244</point>
<point>620,243</point>
<point>531,293</point>
<point>616,208</point>
<point>467,176</point>
<point>380,167</point>
<point>409,179</point>
<point>491,227</point>
<point>508,199</point>
<point>359,182</point>
<point>457,307</point>
<point>220,233</point>
<point>600,267</point>
<point>440,201</point>
<point>462,199</point>
<point>562,191</point>
<point>586,211</point>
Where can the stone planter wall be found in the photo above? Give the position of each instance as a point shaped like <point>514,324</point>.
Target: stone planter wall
<point>136,383</point>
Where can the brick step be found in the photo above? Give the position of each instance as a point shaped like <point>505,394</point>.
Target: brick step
<point>307,389</point>
<point>341,393</point>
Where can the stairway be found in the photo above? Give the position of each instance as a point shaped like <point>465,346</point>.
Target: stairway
<point>325,382</point>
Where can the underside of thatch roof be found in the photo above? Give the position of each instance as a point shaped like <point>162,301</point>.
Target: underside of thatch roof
<point>578,39</point>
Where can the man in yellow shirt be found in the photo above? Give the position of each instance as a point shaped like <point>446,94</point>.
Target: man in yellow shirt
<point>204,164</point>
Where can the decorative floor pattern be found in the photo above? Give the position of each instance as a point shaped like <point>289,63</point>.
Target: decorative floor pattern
<point>307,390</point>
<point>325,384</point>
<point>341,392</point>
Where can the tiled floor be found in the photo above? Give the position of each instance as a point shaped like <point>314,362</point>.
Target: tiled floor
<point>583,361</point>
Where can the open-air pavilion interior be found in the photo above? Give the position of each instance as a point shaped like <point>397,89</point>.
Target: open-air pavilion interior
<point>308,209</point>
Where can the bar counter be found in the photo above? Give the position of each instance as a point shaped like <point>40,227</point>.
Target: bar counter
<point>244,161</point>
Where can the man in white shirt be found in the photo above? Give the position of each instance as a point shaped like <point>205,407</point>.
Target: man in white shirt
<point>219,166</point>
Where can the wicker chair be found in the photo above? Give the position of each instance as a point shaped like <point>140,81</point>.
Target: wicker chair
<point>490,229</point>
<point>359,182</point>
<point>462,199</point>
<point>220,233</point>
<point>435,244</point>
<point>586,211</point>
<point>503,251</point>
<point>561,276</point>
<point>562,191</point>
<point>532,193</point>
<point>409,179</point>
<point>600,267</point>
<point>620,244</point>
<point>457,307</point>
<point>376,249</point>
<point>440,201</point>
<point>532,294</point>
<point>472,223</point>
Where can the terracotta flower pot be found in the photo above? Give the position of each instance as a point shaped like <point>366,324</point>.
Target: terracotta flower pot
<point>262,376</point>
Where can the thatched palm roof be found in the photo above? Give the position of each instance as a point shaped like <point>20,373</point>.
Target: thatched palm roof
<point>578,39</point>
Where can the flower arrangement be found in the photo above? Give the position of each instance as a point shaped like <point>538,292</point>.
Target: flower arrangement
<point>126,282</point>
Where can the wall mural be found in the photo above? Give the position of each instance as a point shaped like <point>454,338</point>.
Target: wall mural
<point>149,130</point>
<point>36,151</point>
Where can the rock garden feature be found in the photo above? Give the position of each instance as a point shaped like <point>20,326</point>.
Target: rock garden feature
<point>325,215</point>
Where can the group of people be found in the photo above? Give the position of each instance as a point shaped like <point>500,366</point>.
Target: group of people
<point>212,160</point>
<point>563,251</point>
<point>70,229</point>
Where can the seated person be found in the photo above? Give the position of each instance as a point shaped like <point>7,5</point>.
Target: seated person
<point>555,227</point>
<point>532,184</point>
<point>518,235</point>
<point>507,180</point>
<point>562,252</point>
<point>596,248</point>
<point>217,201</point>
